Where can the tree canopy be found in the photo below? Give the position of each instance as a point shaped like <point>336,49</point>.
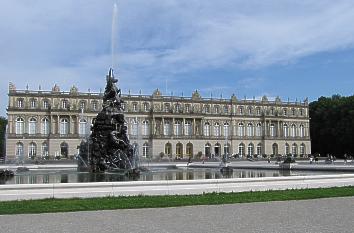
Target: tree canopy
<point>332,125</point>
<point>3,123</point>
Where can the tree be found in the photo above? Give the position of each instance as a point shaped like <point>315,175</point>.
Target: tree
<point>3,123</point>
<point>332,125</point>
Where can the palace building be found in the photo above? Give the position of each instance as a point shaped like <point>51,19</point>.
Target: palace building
<point>53,123</point>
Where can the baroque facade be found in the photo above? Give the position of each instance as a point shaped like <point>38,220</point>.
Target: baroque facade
<point>53,123</point>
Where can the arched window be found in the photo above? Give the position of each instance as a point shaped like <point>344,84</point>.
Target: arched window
<point>287,149</point>
<point>250,111</point>
<point>286,130</point>
<point>226,129</point>
<point>146,128</point>
<point>145,149</point>
<point>227,149</point>
<point>216,109</point>
<point>241,150</point>
<point>168,149</point>
<point>189,149</point>
<point>32,126</point>
<point>250,149</point>
<point>259,130</point>
<point>207,149</point>
<point>302,131</point>
<point>207,129</point>
<point>82,127</point>
<point>216,129</point>
<point>275,149</point>
<point>259,149</point>
<point>64,126</point>
<point>294,149</point>
<point>178,128</point>
<point>134,127</point>
<point>293,130</point>
<point>217,149</point>
<point>272,130</point>
<point>64,149</point>
<point>19,125</point>
<point>250,130</point>
<point>302,149</point>
<point>45,126</point>
<point>188,128</point>
<point>19,150</point>
<point>32,150</point>
<point>241,130</point>
<point>167,128</point>
<point>179,150</point>
<point>45,149</point>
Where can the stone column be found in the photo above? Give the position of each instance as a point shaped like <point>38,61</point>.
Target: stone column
<point>173,127</point>
<point>194,133</point>
<point>183,125</point>
<point>58,125</point>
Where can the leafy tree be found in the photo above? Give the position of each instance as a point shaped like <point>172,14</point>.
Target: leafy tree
<point>3,123</point>
<point>332,125</point>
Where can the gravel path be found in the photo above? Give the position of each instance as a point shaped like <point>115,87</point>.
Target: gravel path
<point>320,215</point>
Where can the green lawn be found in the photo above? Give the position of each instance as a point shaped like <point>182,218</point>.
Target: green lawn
<point>133,202</point>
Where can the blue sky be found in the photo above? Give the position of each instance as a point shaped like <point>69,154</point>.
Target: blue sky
<point>291,49</point>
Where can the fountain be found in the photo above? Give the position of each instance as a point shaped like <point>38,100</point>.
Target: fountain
<point>108,147</point>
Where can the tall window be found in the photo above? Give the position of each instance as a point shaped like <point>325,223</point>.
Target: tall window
<point>94,105</point>
<point>167,107</point>
<point>206,108</point>
<point>302,149</point>
<point>168,149</point>
<point>272,130</point>
<point>33,103</point>
<point>249,110</point>
<point>275,149</point>
<point>259,130</point>
<point>82,127</point>
<point>32,149</point>
<point>145,149</point>
<point>216,109</point>
<point>216,129</point>
<point>19,125</point>
<point>250,130</point>
<point>82,105</point>
<point>226,109</point>
<point>187,108</point>
<point>302,131</point>
<point>32,126</point>
<point>207,129</point>
<point>188,128</point>
<point>64,104</point>
<point>64,126</point>
<point>294,149</point>
<point>189,149</point>
<point>45,104</point>
<point>241,130</point>
<point>286,130</point>
<point>177,107</point>
<point>259,149</point>
<point>241,149</point>
<point>207,149</point>
<point>64,149</point>
<point>20,103</point>
<point>19,150</point>
<point>179,150</point>
<point>135,107</point>
<point>285,111</point>
<point>287,149</point>
<point>134,127</point>
<point>240,110</point>
<point>146,107</point>
<point>146,128</point>
<point>167,128</point>
<point>293,130</point>
<point>226,129</point>
<point>178,128</point>
<point>45,149</point>
<point>250,149</point>
<point>258,111</point>
<point>293,112</point>
<point>45,126</point>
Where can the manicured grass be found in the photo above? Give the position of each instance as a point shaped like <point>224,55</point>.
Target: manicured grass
<point>133,202</point>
